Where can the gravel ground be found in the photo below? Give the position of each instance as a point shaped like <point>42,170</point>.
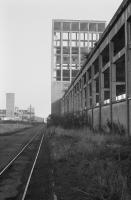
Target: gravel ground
<point>10,144</point>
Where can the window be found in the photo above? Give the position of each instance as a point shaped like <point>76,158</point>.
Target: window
<point>66,50</point>
<point>66,75</point>
<point>96,66</point>
<point>120,70</point>
<point>65,36</point>
<point>75,59</point>
<point>57,43</point>
<point>75,26</point>
<point>106,95</point>
<point>78,36</point>
<point>74,73</point>
<point>90,36</point>
<point>90,89</point>
<point>58,59</point>
<point>92,27</point>
<point>101,27</point>
<point>119,40</point>
<point>94,37</point>
<point>73,44</point>
<point>89,73</point>
<point>82,44</point>
<point>120,89</point>
<point>57,36</point>
<point>106,79</point>
<point>97,85</point>
<point>65,43</point>
<point>74,36</point>
<point>58,50</point>
<point>120,76</point>
<point>75,50</point>
<point>83,26</point>
<point>66,59</point>
<point>66,26</point>
<point>82,36</point>
<point>90,44</point>
<point>84,78</point>
<point>58,75</point>
<point>57,26</point>
<point>94,44</point>
<point>86,36</point>
<point>86,44</point>
<point>105,55</point>
<point>129,29</point>
<point>58,66</point>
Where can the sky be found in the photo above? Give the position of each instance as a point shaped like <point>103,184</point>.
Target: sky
<point>25,45</point>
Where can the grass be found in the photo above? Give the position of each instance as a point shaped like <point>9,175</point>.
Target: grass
<point>90,166</point>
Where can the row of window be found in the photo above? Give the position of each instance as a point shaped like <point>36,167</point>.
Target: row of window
<point>77,36</point>
<point>76,26</point>
<point>75,43</point>
<point>66,74</point>
<point>93,86</point>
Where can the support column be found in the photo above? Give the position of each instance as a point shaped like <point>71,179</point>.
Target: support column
<point>128,71</point>
<point>112,80</point>
<point>87,94</point>
<point>93,93</point>
<point>100,89</point>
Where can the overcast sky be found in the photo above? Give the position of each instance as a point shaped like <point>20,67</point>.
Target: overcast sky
<point>25,45</point>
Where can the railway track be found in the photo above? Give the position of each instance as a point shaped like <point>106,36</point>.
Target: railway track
<point>15,177</point>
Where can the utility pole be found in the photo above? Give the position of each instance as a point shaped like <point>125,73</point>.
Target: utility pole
<point>30,112</point>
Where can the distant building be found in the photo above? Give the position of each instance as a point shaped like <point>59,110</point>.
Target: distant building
<point>25,114</point>
<point>14,113</point>
<point>10,105</point>
<point>71,40</point>
<point>2,114</point>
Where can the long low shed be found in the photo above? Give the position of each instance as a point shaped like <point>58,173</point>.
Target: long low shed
<point>102,88</point>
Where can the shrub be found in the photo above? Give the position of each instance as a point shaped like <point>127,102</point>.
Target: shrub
<point>69,120</point>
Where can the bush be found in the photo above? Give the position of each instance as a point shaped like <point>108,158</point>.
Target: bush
<point>69,121</point>
<point>116,128</point>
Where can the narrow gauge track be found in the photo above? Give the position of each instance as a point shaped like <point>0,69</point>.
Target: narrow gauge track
<point>15,176</point>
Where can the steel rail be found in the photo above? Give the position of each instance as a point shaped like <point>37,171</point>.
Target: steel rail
<point>10,163</point>
<point>32,169</point>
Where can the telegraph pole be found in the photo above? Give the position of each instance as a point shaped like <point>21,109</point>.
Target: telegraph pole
<point>30,112</point>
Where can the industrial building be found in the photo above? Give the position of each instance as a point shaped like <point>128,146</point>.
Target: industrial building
<point>71,40</point>
<point>14,113</point>
<point>10,105</point>
<point>102,88</point>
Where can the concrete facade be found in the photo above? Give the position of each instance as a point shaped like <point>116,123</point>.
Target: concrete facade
<point>71,39</point>
<point>102,88</point>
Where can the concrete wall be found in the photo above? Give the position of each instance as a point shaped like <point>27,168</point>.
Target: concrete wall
<point>119,114</point>
<point>105,116</point>
<point>96,118</point>
<point>56,107</point>
<point>57,91</point>
<point>89,114</point>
